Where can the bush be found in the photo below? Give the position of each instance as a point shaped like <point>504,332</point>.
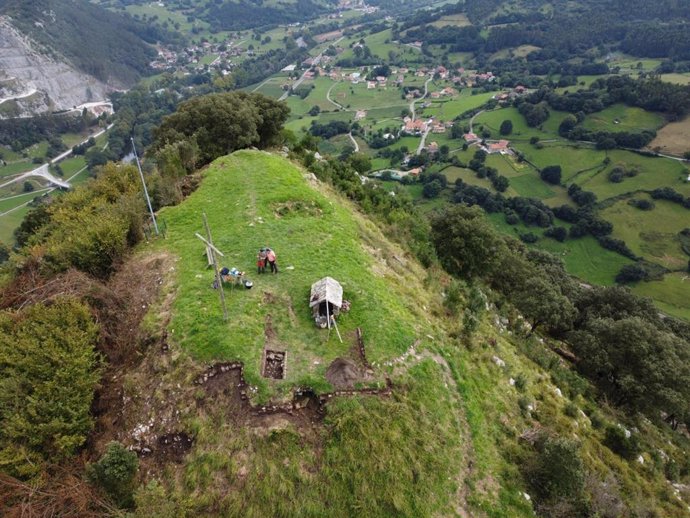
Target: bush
<point>529,237</point>
<point>627,447</point>
<point>571,410</point>
<point>631,273</point>
<point>48,374</point>
<point>559,472</point>
<point>643,204</point>
<point>432,189</point>
<point>557,233</point>
<point>115,472</point>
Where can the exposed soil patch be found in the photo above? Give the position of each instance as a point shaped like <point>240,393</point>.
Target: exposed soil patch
<point>174,446</point>
<point>274,364</point>
<point>344,373</point>
<point>297,207</point>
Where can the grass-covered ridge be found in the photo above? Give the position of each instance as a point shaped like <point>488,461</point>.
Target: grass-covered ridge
<point>254,199</point>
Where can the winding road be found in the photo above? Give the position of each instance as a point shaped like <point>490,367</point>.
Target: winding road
<point>43,172</point>
<point>414,101</point>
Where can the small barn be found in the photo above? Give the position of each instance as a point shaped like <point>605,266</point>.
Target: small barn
<point>325,300</point>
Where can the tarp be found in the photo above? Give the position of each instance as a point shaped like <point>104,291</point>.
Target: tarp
<point>327,289</point>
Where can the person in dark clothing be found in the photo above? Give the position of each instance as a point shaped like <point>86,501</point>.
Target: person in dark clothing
<point>261,261</point>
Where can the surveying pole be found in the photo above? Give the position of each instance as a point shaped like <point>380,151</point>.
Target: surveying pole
<point>146,192</point>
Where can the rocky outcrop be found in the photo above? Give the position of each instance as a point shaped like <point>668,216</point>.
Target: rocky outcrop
<point>33,82</point>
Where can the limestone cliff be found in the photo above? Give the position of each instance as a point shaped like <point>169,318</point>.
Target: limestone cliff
<point>32,82</point>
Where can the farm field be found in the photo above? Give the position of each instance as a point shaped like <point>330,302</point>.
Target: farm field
<point>674,138</point>
<point>447,110</point>
<point>455,20</point>
<point>583,257</point>
<point>653,173</point>
<point>669,294</point>
<point>652,234</point>
<point>521,132</point>
<point>620,117</point>
<point>679,79</point>
<point>573,159</point>
<point>358,96</point>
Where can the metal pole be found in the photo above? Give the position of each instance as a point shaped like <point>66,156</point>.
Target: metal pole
<point>219,281</point>
<point>146,192</point>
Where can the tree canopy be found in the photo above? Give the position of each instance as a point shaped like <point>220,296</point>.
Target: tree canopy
<point>222,123</point>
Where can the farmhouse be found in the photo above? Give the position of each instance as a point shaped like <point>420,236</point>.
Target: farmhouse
<point>470,137</point>
<point>360,114</point>
<point>414,127</point>
<point>500,146</point>
<point>371,85</point>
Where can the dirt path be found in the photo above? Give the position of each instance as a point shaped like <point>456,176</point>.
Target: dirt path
<point>467,461</point>
<point>474,117</point>
<point>354,142</point>
<point>335,103</point>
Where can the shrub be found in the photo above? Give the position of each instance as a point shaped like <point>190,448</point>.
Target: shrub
<point>506,127</point>
<point>571,410</point>
<point>529,237</point>
<point>643,204</point>
<point>115,472</point>
<point>627,447</point>
<point>48,374</point>
<point>559,471</point>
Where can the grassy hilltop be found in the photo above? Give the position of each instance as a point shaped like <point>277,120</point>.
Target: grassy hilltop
<point>253,199</point>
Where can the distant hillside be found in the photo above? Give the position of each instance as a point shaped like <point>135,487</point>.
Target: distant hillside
<point>110,47</point>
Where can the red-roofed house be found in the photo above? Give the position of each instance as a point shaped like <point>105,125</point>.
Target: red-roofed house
<point>498,147</point>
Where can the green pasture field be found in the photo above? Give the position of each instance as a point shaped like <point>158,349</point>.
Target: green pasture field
<point>450,109</point>
<point>652,234</point>
<point>18,167</point>
<point>10,221</point>
<point>272,87</point>
<point>669,294</point>
<point>583,257</point>
<point>574,159</point>
<point>254,199</point>
<point>619,117</point>
<point>653,173</point>
<point>358,96</point>
<point>521,132</point>
<point>317,97</point>
<point>303,123</point>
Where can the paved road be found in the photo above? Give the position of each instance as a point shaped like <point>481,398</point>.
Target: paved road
<point>423,141</point>
<point>296,84</point>
<point>414,101</point>
<point>43,172</point>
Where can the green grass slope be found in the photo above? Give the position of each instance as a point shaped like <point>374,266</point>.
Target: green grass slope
<point>254,199</point>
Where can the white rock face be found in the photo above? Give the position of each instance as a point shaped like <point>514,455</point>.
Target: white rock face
<point>31,82</point>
